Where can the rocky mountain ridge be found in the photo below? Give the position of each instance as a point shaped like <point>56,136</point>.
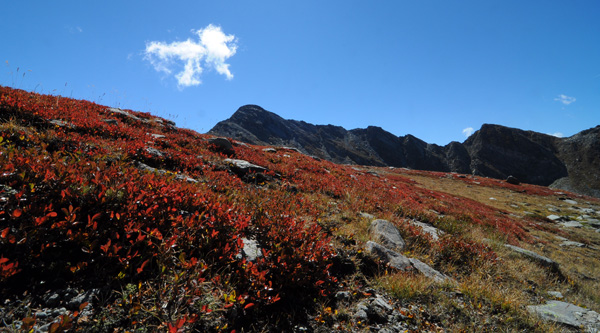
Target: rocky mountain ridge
<point>495,151</point>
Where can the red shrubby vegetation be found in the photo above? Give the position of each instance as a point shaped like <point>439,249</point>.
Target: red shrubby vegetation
<point>78,211</point>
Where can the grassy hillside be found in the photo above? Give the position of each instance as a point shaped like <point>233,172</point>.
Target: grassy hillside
<point>118,220</point>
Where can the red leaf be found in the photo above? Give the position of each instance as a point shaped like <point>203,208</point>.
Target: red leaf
<point>106,246</point>
<point>5,232</point>
<point>3,260</point>
<point>248,306</point>
<point>17,213</point>
<point>139,270</point>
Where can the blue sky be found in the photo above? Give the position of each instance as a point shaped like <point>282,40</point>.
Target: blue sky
<point>433,69</point>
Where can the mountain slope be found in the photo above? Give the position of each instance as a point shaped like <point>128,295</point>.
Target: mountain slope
<point>493,151</point>
<point>116,220</point>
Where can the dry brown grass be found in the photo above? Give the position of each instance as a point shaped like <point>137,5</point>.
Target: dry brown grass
<point>500,294</point>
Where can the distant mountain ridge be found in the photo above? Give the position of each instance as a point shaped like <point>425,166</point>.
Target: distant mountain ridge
<point>496,151</point>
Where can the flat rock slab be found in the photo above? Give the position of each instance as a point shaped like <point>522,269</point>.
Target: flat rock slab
<point>429,272</point>
<point>594,222</point>
<point>403,263</point>
<point>571,224</point>
<point>572,243</point>
<point>434,232</point>
<point>243,167</point>
<point>554,217</point>
<point>546,262</point>
<point>387,234</point>
<point>125,113</point>
<point>394,259</point>
<point>568,314</point>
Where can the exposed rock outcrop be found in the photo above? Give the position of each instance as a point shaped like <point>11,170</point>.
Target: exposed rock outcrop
<point>496,151</point>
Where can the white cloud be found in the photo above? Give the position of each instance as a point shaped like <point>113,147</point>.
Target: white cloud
<point>566,100</point>
<point>558,135</point>
<point>210,50</point>
<point>468,131</point>
<point>73,30</point>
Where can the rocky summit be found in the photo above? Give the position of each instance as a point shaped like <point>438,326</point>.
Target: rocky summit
<point>496,151</point>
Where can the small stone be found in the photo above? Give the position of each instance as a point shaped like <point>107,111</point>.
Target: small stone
<point>61,123</point>
<point>361,315</point>
<point>555,294</point>
<point>251,251</point>
<point>270,150</point>
<point>366,216</point>
<point>52,299</point>
<point>155,152</point>
<point>554,217</point>
<point>41,315</point>
<point>343,296</point>
<point>125,113</point>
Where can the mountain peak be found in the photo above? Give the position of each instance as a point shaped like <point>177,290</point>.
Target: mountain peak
<point>494,150</point>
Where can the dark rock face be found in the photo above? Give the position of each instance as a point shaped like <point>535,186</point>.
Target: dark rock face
<point>581,155</point>
<point>498,152</point>
<point>494,151</point>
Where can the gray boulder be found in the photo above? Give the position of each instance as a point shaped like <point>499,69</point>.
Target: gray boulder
<point>568,314</point>
<point>222,145</point>
<point>393,259</point>
<point>387,234</point>
<point>434,232</point>
<point>248,172</point>
<point>251,251</point>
